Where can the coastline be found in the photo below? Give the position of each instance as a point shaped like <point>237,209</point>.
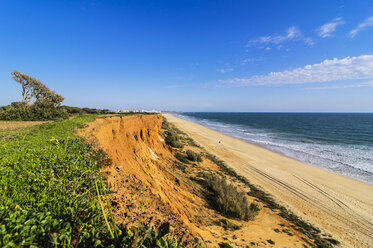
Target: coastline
<point>339,205</point>
<point>349,171</point>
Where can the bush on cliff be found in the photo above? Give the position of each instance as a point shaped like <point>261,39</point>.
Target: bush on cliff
<point>173,140</point>
<point>181,158</point>
<point>193,156</point>
<point>229,200</point>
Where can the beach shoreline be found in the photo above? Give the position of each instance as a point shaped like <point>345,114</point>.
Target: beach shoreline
<point>359,174</point>
<point>337,204</point>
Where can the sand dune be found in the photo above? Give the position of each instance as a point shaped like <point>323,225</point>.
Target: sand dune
<point>337,204</point>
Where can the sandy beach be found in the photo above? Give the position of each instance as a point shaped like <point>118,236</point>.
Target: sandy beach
<point>338,205</point>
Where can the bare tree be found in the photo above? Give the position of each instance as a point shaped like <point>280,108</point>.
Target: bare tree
<point>33,89</point>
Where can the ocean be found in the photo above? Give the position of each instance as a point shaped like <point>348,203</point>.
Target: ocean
<point>338,142</point>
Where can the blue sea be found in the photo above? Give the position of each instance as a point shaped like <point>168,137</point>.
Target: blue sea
<point>338,142</point>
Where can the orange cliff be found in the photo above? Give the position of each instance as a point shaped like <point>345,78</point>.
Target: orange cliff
<point>137,152</point>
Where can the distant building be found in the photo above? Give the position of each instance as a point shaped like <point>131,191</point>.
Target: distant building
<point>136,111</point>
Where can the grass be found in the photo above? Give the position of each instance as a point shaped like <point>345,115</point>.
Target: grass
<point>52,193</point>
<point>229,200</point>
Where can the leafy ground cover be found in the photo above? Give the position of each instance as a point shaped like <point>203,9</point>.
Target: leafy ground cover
<point>52,195</point>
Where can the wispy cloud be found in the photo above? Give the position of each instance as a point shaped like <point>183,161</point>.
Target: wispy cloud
<point>292,33</point>
<point>349,68</point>
<point>367,23</point>
<point>309,41</point>
<point>222,71</point>
<point>327,30</point>
<point>250,60</point>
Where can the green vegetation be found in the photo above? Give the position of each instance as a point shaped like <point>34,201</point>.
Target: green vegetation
<point>270,241</point>
<point>77,110</point>
<point>181,158</point>
<point>183,137</point>
<point>287,231</point>
<point>193,156</point>
<point>52,195</point>
<point>229,225</point>
<point>34,112</point>
<point>38,102</point>
<point>225,245</point>
<point>173,140</point>
<point>34,90</point>
<point>229,200</point>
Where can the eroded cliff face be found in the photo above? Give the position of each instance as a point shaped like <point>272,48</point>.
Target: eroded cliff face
<point>137,152</point>
<point>131,142</point>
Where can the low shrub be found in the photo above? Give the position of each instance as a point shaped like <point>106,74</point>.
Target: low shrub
<point>193,156</point>
<point>173,140</point>
<point>229,200</point>
<point>3,108</point>
<point>181,158</point>
<point>271,241</point>
<point>228,225</point>
<point>32,113</point>
<point>225,245</point>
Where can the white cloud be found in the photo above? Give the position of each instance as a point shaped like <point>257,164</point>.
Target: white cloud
<point>225,70</point>
<point>328,29</point>
<point>367,84</point>
<point>292,34</point>
<point>367,23</point>
<point>349,68</point>
<point>309,41</point>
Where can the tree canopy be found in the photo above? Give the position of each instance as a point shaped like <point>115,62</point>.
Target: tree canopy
<point>35,91</point>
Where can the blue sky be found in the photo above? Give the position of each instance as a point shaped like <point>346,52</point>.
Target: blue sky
<point>193,55</point>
